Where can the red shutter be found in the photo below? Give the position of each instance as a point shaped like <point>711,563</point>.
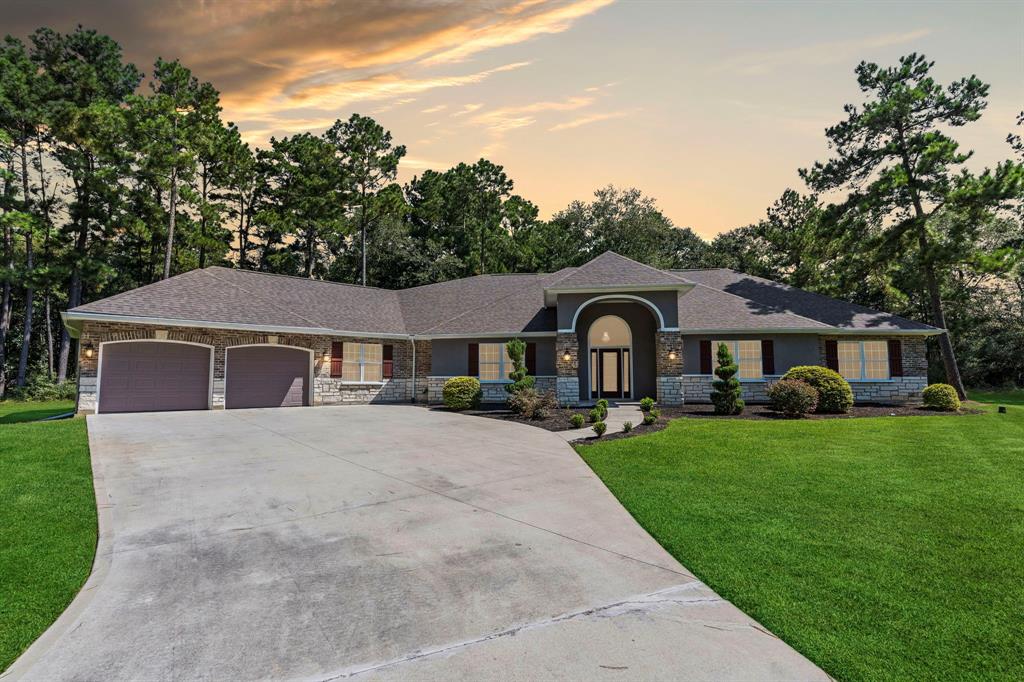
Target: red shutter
<point>895,358</point>
<point>337,348</point>
<point>474,360</point>
<point>832,354</point>
<point>531,359</point>
<point>767,356</point>
<point>389,361</point>
<point>705,357</point>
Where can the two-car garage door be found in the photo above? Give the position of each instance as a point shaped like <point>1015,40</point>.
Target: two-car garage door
<point>151,376</point>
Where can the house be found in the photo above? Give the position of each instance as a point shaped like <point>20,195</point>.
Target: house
<point>223,338</point>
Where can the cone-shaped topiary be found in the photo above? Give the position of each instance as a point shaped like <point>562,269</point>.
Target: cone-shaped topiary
<point>520,379</point>
<point>726,395</point>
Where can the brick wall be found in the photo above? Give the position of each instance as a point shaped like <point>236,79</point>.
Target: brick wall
<point>326,390</point>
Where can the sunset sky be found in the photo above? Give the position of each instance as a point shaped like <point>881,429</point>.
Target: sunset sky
<point>708,107</point>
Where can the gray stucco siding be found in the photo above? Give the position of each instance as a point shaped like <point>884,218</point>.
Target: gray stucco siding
<point>791,350</point>
<point>642,326</point>
<point>450,357</point>
<point>664,301</point>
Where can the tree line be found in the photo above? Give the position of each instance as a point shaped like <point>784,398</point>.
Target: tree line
<point>112,179</point>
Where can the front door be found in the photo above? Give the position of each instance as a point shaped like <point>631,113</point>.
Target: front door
<point>610,373</point>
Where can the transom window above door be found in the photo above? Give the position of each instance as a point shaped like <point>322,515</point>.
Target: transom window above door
<point>610,331</point>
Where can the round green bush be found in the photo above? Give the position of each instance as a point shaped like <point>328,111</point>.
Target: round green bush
<point>646,404</point>
<point>577,420</point>
<point>627,426</point>
<point>834,393</point>
<point>599,428</point>
<point>792,397</point>
<point>650,417</point>
<point>461,393</point>
<point>595,415</point>
<point>941,397</point>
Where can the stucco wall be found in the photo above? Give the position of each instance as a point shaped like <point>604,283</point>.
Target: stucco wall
<point>326,390</point>
<point>664,301</point>
<point>642,326</point>
<point>450,357</point>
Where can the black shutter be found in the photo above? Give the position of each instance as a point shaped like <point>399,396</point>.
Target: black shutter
<point>474,360</point>
<point>531,359</point>
<point>895,358</point>
<point>705,357</point>
<point>389,361</point>
<point>337,348</point>
<point>832,354</point>
<point>767,356</point>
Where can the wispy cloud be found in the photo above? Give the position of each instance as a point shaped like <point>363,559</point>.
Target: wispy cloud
<point>592,118</point>
<point>467,109</point>
<point>434,110</point>
<point>509,118</point>
<point>766,61</point>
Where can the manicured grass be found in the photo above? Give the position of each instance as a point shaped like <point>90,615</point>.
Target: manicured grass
<point>882,548</point>
<point>16,411</point>
<point>47,527</point>
<point>998,396</point>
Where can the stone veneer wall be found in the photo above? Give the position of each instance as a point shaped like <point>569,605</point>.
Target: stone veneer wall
<point>567,387</point>
<point>492,393</point>
<point>669,369</point>
<point>326,390</point>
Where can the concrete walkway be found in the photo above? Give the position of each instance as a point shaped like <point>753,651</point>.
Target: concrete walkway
<point>618,414</point>
<point>378,542</point>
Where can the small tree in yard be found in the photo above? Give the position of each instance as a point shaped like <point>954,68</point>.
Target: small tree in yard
<point>726,395</point>
<point>520,379</point>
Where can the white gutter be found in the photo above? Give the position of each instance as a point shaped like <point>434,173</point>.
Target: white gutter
<point>818,331</point>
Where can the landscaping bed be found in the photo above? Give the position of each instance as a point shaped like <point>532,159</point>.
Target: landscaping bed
<point>765,412</point>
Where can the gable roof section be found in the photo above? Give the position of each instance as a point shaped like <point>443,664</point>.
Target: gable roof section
<point>765,298</point>
<point>612,271</point>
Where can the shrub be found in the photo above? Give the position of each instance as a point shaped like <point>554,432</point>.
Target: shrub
<point>532,404</point>
<point>941,397</point>
<point>650,418</point>
<point>461,393</point>
<point>726,395</point>
<point>577,420</point>
<point>602,405</point>
<point>39,387</point>
<point>595,415</point>
<point>792,397</point>
<point>646,404</point>
<point>520,379</point>
<point>600,428</point>
<point>834,393</point>
<point>627,426</point>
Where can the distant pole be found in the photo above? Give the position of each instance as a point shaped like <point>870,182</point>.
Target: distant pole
<point>362,220</point>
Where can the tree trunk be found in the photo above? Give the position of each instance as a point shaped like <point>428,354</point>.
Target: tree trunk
<point>5,298</point>
<point>26,339</point>
<point>202,223</point>
<point>46,258</point>
<point>49,335</point>
<point>243,234</point>
<point>310,246</point>
<point>170,227</point>
<point>75,287</point>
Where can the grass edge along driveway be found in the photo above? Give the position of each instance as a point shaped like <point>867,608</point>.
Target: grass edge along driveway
<point>47,526</point>
<point>883,548</point>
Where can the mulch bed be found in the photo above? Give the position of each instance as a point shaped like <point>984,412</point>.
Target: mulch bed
<point>558,420</point>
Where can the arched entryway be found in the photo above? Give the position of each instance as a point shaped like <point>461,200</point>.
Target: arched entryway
<point>610,344</point>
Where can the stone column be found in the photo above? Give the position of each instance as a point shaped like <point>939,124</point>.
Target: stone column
<point>568,386</point>
<point>669,367</point>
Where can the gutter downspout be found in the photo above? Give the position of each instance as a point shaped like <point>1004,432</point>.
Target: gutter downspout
<point>412,340</point>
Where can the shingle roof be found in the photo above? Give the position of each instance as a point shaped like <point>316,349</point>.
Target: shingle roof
<point>610,270</point>
<point>766,297</point>
<point>482,305</point>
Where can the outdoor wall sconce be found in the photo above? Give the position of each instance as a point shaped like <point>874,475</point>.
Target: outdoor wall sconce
<point>566,356</point>
<point>671,355</point>
<point>88,350</point>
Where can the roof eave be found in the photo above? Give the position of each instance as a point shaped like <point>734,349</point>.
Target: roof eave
<point>835,331</point>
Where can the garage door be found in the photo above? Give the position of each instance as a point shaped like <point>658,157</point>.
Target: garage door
<point>153,376</point>
<point>266,376</point>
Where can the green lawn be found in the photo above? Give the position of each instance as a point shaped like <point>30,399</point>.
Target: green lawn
<point>47,525</point>
<point>882,549</point>
<point>998,396</point>
<point>15,411</point>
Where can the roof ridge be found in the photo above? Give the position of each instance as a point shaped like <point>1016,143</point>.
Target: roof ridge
<point>649,267</point>
<point>318,325</point>
<point>788,312</point>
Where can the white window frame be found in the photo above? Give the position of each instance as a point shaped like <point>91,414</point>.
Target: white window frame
<point>864,361</point>
<point>362,364</point>
<point>503,371</point>
<point>734,348</point>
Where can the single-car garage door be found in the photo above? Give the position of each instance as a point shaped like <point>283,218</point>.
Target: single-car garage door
<point>266,376</point>
<point>153,376</point>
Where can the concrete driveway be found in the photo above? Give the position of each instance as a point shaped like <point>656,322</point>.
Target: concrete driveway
<point>381,542</point>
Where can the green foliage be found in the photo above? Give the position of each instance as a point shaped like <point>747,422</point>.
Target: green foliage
<point>941,397</point>
<point>650,418</point>
<point>792,397</point>
<point>39,387</point>
<point>461,393</point>
<point>599,428</point>
<point>646,404</point>
<point>595,415</point>
<point>520,379</point>
<point>727,390</point>
<point>627,426</point>
<point>577,420</point>
<point>532,404</point>
<point>834,393</point>
<point>602,405</point>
